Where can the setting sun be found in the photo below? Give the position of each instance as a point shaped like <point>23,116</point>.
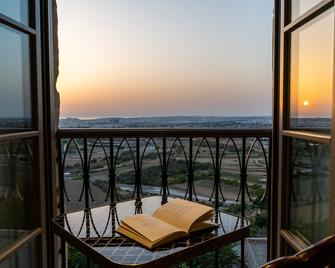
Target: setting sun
<point>306,103</point>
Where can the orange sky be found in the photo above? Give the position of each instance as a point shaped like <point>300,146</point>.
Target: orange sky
<point>312,68</point>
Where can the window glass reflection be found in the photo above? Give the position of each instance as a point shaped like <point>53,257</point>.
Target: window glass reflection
<point>310,178</point>
<point>299,7</point>
<point>25,258</point>
<point>15,9</point>
<point>15,101</point>
<point>311,75</point>
<point>17,205</point>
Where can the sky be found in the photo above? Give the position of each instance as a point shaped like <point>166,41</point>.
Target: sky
<point>165,57</point>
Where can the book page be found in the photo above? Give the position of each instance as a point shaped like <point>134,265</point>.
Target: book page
<point>197,226</point>
<point>182,213</point>
<point>148,227</point>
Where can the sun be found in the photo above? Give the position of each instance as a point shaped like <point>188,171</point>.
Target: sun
<point>306,103</point>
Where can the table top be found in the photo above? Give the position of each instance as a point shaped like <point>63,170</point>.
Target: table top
<point>92,231</point>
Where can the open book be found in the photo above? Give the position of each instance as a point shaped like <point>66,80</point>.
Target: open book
<point>170,222</point>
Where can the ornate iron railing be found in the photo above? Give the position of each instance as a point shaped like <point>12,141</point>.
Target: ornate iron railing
<point>203,152</point>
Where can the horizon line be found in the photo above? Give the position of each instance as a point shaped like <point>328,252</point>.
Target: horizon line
<point>156,116</point>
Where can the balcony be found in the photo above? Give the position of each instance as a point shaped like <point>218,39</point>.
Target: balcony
<point>227,169</point>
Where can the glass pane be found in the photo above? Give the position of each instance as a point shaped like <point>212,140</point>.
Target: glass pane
<point>227,256</point>
<point>299,7</point>
<point>310,176</point>
<point>15,9</point>
<point>312,74</point>
<point>17,195</point>
<point>25,258</point>
<point>15,103</point>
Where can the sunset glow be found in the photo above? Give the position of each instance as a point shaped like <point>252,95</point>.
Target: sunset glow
<point>312,68</point>
<point>165,57</point>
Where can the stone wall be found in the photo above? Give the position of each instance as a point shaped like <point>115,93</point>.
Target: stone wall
<point>56,61</point>
<point>56,112</point>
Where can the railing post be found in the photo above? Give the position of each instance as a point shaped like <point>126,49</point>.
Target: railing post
<point>138,185</point>
<point>243,188</point>
<point>269,199</point>
<point>138,169</point>
<point>164,173</point>
<point>190,170</point>
<point>86,175</point>
<point>111,171</point>
<point>217,174</point>
<point>86,178</point>
<point>60,175</point>
<point>61,195</point>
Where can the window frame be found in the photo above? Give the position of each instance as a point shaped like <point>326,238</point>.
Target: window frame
<point>285,237</point>
<point>35,132</point>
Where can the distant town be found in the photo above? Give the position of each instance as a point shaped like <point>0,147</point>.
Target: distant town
<point>169,122</point>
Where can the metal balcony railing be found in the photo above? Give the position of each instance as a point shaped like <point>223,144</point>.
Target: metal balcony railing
<point>229,169</point>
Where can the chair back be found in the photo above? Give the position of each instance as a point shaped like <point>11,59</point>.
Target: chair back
<point>318,255</point>
<point>285,262</point>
